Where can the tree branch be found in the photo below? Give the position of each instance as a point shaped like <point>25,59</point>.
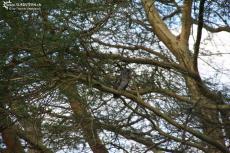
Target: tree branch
<point>159,27</point>
<point>212,29</point>
<point>164,116</point>
<point>199,35</point>
<point>131,94</point>
<point>186,21</point>
<point>33,143</point>
<point>135,47</point>
<point>163,64</point>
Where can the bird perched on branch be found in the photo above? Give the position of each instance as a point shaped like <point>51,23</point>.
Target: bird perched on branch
<point>123,81</point>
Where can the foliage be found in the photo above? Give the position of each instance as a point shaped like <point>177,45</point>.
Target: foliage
<point>59,67</point>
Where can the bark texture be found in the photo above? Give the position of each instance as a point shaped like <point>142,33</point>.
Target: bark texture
<point>86,120</point>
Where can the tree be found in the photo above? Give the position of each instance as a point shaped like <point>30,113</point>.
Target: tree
<point>61,66</point>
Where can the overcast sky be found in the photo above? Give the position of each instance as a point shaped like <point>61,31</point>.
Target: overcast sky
<point>216,65</point>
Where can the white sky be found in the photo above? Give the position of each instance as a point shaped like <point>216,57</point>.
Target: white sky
<point>215,66</point>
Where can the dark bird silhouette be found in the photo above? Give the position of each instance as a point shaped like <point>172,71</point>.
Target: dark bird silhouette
<point>123,81</point>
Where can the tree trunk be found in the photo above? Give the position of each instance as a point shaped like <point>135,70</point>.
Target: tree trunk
<point>12,141</point>
<point>33,131</point>
<point>209,119</point>
<point>179,47</point>
<point>9,135</point>
<point>86,120</point>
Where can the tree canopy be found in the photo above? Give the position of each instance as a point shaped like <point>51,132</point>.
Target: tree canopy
<point>61,67</point>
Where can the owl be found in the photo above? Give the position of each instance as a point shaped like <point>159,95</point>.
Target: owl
<point>123,81</point>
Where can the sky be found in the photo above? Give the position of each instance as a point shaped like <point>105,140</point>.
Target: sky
<point>214,58</point>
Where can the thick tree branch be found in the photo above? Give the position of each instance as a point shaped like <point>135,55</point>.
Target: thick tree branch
<point>186,22</point>
<point>212,29</point>
<point>199,35</point>
<point>179,126</point>
<point>80,110</point>
<point>33,143</point>
<point>133,135</point>
<point>163,64</point>
<point>146,140</point>
<point>133,94</point>
<point>159,27</point>
<point>132,48</point>
<point>164,116</point>
<point>11,140</point>
<point>168,93</point>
